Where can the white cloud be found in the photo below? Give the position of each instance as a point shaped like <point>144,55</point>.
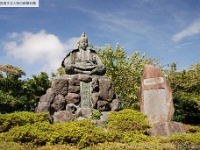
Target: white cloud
<point>38,48</point>
<point>189,31</point>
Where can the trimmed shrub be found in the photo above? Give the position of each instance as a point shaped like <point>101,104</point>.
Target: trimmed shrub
<point>58,147</point>
<point>10,146</point>
<point>128,146</point>
<point>191,128</point>
<point>185,141</point>
<point>85,134</point>
<point>8,121</point>
<point>125,130</point>
<point>81,133</point>
<point>128,120</point>
<point>15,146</point>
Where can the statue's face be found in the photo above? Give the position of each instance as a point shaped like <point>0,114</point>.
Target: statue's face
<point>84,44</point>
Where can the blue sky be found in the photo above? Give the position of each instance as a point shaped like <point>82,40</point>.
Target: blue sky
<point>37,39</point>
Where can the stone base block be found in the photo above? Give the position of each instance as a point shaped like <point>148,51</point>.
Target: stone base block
<point>63,116</point>
<point>84,112</point>
<point>166,128</point>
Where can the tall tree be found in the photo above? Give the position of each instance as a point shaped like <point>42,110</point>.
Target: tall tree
<point>125,71</point>
<point>17,94</point>
<point>10,87</point>
<point>34,88</point>
<point>186,93</point>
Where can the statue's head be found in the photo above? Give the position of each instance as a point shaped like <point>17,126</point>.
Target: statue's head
<point>84,41</point>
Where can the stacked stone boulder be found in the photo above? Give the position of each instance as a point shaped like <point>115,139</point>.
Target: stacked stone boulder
<point>64,100</point>
<point>156,102</point>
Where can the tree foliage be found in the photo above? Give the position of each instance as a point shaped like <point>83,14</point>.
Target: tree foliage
<point>17,94</point>
<point>60,71</point>
<point>186,93</point>
<point>34,88</point>
<point>125,71</point>
<point>10,88</point>
<point>11,70</point>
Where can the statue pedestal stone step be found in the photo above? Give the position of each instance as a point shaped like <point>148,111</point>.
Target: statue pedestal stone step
<point>166,128</point>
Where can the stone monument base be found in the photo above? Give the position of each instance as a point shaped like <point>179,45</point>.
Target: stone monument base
<point>75,97</point>
<point>166,128</point>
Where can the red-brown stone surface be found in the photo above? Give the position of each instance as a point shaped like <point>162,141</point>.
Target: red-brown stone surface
<point>154,74</point>
<point>166,128</point>
<point>157,103</point>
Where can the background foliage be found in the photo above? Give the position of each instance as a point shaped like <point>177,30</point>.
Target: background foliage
<point>186,93</point>
<point>17,94</point>
<point>125,71</point>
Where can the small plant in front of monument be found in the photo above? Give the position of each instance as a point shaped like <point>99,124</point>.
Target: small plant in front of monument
<point>96,114</point>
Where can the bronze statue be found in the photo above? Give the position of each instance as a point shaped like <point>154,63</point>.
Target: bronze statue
<point>83,60</point>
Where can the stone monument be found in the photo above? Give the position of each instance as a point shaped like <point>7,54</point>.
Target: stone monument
<point>82,90</point>
<point>157,103</point>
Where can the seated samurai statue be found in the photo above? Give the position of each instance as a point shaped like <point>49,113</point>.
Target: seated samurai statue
<point>83,60</point>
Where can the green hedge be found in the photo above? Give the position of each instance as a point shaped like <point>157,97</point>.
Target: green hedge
<point>128,120</point>
<point>125,130</point>
<point>191,128</point>
<point>129,146</point>
<point>8,121</point>
<point>185,141</point>
<point>17,146</point>
<point>82,133</point>
<point>31,128</point>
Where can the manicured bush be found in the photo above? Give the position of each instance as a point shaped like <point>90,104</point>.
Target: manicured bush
<point>128,120</point>
<point>125,130</point>
<point>86,135</point>
<point>185,141</point>
<point>58,147</point>
<point>128,146</point>
<point>15,146</point>
<point>8,121</point>
<point>191,128</point>
<point>81,133</point>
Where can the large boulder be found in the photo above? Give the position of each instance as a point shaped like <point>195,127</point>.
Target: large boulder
<point>106,89</point>
<point>63,116</point>
<point>60,86</point>
<point>45,102</point>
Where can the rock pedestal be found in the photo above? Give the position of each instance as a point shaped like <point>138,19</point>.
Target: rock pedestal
<point>157,103</point>
<point>166,128</point>
<point>74,96</point>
